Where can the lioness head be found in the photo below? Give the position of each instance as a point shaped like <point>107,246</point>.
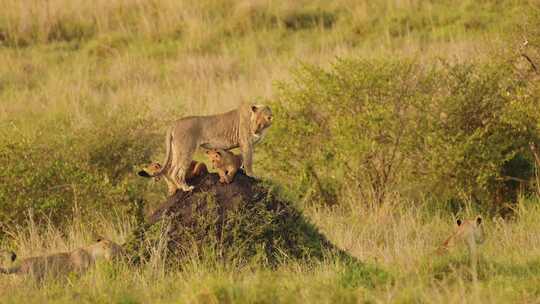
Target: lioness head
<point>474,228</point>
<point>468,232</point>
<point>104,249</point>
<point>261,118</point>
<point>7,257</point>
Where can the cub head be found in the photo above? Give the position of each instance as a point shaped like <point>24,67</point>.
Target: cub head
<point>105,249</point>
<point>150,170</point>
<point>216,157</point>
<point>261,118</point>
<point>7,257</point>
<point>474,227</point>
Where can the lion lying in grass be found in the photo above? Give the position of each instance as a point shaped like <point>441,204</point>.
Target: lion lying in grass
<point>60,263</point>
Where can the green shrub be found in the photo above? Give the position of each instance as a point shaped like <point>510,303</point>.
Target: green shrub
<point>392,126</point>
<point>89,171</point>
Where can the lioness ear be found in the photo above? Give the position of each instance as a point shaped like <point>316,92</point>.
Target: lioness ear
<point>478,220</point>
<point>254,109</point>
<point>459,222</point>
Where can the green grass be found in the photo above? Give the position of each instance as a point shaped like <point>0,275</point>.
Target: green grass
<point>400,239</point>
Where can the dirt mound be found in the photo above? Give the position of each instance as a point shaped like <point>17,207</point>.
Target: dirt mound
<point>240,220</point>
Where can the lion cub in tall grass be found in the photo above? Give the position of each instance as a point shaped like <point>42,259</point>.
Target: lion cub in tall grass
<point>226,163</point>
<point>60,263</point>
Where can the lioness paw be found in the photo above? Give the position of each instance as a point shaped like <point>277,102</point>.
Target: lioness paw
<point>187,188</point>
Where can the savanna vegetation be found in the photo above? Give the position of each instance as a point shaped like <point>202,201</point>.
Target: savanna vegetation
<point>392,119</point>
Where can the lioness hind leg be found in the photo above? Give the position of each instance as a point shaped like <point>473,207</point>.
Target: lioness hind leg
<point>179,176</point>
<point>171,185</point>
<point>183,148</point>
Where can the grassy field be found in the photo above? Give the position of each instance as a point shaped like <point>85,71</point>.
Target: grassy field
<point>87,89</point>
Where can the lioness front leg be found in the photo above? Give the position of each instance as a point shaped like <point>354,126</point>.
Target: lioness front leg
<point>246,150</point>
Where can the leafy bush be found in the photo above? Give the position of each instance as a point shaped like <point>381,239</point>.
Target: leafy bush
<point>87,171</point>
<point>391,126</point>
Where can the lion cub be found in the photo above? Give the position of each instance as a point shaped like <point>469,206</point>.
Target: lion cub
<point>226,162</point>
<point>60,263</point>
<point>195,169</point>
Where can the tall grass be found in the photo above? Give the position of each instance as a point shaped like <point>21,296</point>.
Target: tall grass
<point>66,59</point>
<point>399,236</point>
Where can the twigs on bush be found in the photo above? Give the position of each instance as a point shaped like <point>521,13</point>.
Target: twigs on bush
<point>536,167</point>
<point>524,55</point>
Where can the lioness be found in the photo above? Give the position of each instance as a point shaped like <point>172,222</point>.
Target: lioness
<point>77,260</point>
<point>242,127</point>
<point>226,162</point>
<point>195,169</point>
<point>468,232</point>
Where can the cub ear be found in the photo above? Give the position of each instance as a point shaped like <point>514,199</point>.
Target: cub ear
<point>254,108</point>
<point>478,220</point>
<point>459,222</point>
<point>13,256</point>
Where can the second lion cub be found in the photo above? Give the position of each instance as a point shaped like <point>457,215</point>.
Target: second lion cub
<point>60,263</point>
<point>226,162</point>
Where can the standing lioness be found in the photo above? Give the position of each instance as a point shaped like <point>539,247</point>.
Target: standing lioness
<point>242,127</point>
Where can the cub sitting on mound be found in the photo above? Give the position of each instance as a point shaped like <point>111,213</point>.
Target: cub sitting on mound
<point>226,162</point>
<point>195,169</point>
<point>61,263</point>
